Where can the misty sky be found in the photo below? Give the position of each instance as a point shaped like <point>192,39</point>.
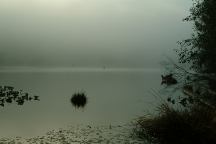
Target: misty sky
<point>90,33</point>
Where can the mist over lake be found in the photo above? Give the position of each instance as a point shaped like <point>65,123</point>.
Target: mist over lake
<point>109,50</point>
<point>90,33</point>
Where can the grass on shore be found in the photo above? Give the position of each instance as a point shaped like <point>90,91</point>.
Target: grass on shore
<point>171,126</point>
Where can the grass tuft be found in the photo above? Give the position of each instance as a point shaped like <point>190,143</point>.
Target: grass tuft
<point>79,99</point>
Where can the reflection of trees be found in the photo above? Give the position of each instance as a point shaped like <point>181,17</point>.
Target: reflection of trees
<point>9,95</point>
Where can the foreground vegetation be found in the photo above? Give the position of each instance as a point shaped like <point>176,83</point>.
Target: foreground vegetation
<point>192,119</point>
<point>193,126</point>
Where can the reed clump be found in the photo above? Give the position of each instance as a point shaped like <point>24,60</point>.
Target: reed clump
<point>79,99</point>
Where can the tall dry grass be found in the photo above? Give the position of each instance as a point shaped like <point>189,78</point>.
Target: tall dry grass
<point>194,126</point>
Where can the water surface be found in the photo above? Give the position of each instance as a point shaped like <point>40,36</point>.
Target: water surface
<point>114,97</point>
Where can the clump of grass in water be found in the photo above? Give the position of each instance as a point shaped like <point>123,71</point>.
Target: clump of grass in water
<point>79,99</point>
<point>171,126</point>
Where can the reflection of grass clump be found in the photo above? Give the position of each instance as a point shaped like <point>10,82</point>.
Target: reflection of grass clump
<point>195,126</point>
<point>79,99</point>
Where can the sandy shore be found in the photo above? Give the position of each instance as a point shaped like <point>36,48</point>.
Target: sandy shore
<point>82,134</point>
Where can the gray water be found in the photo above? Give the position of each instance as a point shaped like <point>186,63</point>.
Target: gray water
<point>114,97</point>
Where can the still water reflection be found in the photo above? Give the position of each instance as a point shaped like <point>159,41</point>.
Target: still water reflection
<point>114,97</point>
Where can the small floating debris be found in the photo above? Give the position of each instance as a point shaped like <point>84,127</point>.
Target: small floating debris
<point>8,94</point>
<point>79,99</point>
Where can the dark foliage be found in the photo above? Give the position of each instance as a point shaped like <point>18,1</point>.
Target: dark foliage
<point>195,122</point>
<point>200,50</point>
<point>79,100</point>
<point>9,95</point>
<point>194,126</point>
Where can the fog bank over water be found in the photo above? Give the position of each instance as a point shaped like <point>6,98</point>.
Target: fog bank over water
<point>90,33</point>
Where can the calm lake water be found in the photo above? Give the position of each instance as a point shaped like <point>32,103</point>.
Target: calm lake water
<point>114,97</point>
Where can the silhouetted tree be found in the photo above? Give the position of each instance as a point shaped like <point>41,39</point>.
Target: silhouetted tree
<point>200,49</point>
<point>192,124</point>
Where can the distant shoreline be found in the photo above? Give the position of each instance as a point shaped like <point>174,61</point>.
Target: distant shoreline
<point>16,69</point>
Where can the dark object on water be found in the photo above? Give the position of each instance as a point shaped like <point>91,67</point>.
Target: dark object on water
<point>168,79</point>
<point>36,98</point>
<point>79,100</point>
<point>170,100</point>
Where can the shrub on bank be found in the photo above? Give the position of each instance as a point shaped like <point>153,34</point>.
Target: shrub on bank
<point>171,126</point>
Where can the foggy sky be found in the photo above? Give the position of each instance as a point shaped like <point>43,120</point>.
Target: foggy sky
<point>90,33</point>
